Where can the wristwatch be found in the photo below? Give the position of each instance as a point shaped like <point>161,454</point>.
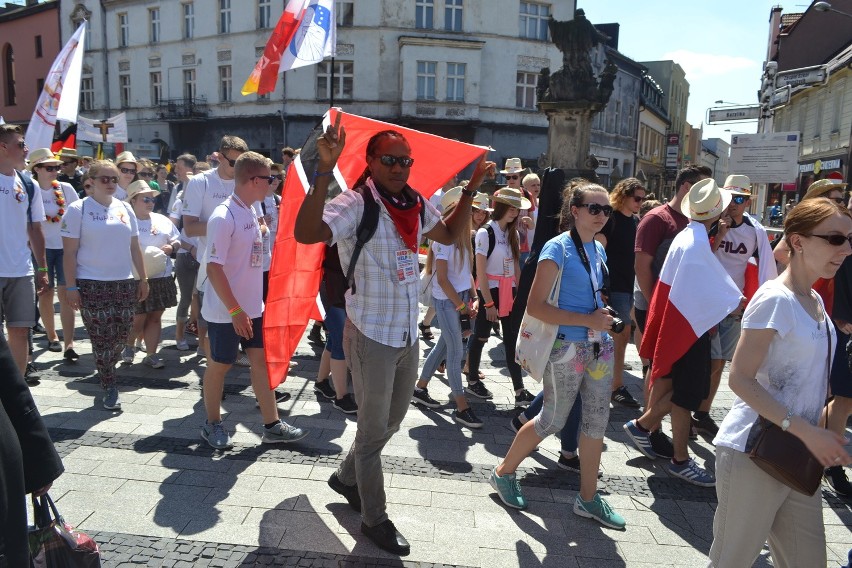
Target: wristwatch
<point>470,193</point>
<point>786,422</point>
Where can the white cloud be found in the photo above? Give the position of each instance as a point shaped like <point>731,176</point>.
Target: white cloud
<point>700,65</point>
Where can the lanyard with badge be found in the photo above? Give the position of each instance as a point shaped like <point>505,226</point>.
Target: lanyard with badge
<point>407,265</point>
<point>256,258</point>
<point>595,336</point>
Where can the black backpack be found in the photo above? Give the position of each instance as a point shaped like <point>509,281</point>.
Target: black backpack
<point>492,242</point>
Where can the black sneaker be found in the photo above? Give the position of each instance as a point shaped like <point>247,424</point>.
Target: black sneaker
<point>836,477</point>
<point>350,492</point>
<point>572,464</point>
<point>524,398</point>
<point>623,397</point>
<point>385,536</point>
<point>71,355</point>
<point>31,375</point>
<point>495,327</point>
<point>516,424</point>
<point>346,405</point>
<point>280,397</point>
<point>421,396</point>
<point>325,389</point>
<point>467,417</point>
<point>315,335</point>
<point>661,444</point>
<point>38,328</point>
<point>705,425</point>
<point>478,390</point>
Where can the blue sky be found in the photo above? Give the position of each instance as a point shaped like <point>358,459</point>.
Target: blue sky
<point>721,45</point>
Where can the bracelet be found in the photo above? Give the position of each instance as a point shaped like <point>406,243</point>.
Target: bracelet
<point>461,307</point>
<point>235,311</point>
<point>489,305</point>
<point>72,289</point>
<point>318,173</point>
<point>42,269</point>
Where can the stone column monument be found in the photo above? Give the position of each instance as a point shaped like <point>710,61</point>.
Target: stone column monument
<point>571,96</point>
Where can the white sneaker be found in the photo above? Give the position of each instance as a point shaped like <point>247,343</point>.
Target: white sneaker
<point>182,345</point>
<point>127,354</point>
<point>154,362</point>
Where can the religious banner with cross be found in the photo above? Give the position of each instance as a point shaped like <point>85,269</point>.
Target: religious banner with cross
<point>113,129</point>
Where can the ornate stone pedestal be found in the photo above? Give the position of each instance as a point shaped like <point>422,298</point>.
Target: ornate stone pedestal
<point>568,136</point>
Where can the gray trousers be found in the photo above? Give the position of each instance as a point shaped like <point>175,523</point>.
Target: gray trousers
<point>383,379</point>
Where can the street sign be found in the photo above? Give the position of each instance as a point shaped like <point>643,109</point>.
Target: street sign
<point>808,76</point>
<point>780,97</point>
<point>766,158</point>
<point>727,114</point>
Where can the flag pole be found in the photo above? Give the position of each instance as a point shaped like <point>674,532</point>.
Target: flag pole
<point>331,98</point>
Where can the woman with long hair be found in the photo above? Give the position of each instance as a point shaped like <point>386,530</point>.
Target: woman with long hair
<point>581,358</point>
<point>453,296</point>
<point>100,237</point>
<point>56,197</point>
<point>498,270</point>
<point>779,373</point>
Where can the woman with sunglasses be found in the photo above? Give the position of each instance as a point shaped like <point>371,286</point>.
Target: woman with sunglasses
<point>582,355</point>
<point>779,373</point>
<point>159,240</point>
<point>100,236</point>
<point>56,197</point>
<point>128,168</point>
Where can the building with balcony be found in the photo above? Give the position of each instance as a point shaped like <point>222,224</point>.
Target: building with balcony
<point>651,139</point>
<point>672,79</point>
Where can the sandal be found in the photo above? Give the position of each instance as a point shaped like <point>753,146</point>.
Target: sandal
<point>426,332</point>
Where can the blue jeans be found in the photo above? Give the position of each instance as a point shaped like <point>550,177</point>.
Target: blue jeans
<point>449,346</point>
<point>570,434</point>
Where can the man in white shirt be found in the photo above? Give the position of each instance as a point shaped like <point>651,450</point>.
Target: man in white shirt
<point>21,215</point>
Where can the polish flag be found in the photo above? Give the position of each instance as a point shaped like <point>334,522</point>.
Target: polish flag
<point>305,34</point>
<point>694,294</point>
<point>295,273</point>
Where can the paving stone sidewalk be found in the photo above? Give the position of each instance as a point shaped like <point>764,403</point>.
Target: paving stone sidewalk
<point>152,493</point>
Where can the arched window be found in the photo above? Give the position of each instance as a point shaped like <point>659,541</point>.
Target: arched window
<point>9,74</point>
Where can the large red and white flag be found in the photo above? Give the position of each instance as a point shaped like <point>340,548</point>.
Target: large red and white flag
<point>60,97</point>
<point>305,34</point>
<point>694,294</point>
<point>294,276</point>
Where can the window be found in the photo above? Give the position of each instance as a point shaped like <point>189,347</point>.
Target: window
<point>837,113</point>
<point>9,75</point>
<point>345,12</point>
<point>423,14</point>
<point>453,15</point>
<point>39,86</point>
<point>38,47</point>
<point>533,20</point>
<point>225,83</point>
<point>264,14</point>
<point>455,81</point>
<point>224,16</point>
<point>87,94</point>
<point>154,21</point>
<point>156,81</point>
<point>123,30</point>
<point>525,90</point>
<point>188,20</point>
<point>341,86</point>
<point>426,80</point>
<point>820,104</point>
<point>189,84</point>
<point>124,90</point>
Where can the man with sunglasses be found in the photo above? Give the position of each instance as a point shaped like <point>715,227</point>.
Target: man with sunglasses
<point>740,238</point>
<point>70,174</point>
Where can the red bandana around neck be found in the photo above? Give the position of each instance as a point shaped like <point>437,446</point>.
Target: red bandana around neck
<point>406,218</point>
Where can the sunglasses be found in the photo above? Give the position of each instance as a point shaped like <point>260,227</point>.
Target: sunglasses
<point>597,209</point>
<point>149,200</point>
<point>513,177</point>
<point>50,168</point>
<point>403,161</point>
<point>279,177</point>
<point>127,170</point>
<point>638,199</point>
<point>231,162</point>
<point>269,179</point>
<point>835,240</point>
<point>740,199</point>
<point>107,179</point>
<point>147,175</point>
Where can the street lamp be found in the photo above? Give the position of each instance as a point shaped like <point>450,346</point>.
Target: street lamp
<point>721,102</point>
<point>826,7</point>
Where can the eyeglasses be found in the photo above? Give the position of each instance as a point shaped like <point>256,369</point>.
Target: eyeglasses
<point>127,170</point>
<point>149,200</point>
<point>107,179</point>
<point>597,209</point>
<point>638,198</point>
<point>148,175</point>
<point>835,240</point>
<point>269,179</point>
<point>513,177</point>
<point>740,199</point>
<point>50,168</point>
<point>403,161</point>
<point>278,177</point>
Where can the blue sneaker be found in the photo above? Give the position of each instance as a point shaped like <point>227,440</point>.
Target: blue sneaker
<point>508,489</point>
<point>691,472</point>
<point>599,510</point>
<point>215,435</point>
<point>642,440</point>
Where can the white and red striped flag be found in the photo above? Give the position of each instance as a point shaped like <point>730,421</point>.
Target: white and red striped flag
<point>694,293</point>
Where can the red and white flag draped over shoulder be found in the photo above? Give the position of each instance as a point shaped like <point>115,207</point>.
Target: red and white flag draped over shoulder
<point>694,293</point>
<point>295,273</point>
<point>305,34</point>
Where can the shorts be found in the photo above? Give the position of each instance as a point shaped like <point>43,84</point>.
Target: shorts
<point>724,342</point>
<point>641,318</point>
<point>621,302</point>
<point>55,270</point>
<point>202,323</point>
<point>690,375</point>
<point>225,343</point>
<point>17,301</point>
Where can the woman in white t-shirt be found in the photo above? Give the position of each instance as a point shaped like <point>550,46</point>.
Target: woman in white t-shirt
<point>56,196</point>
<point>100,237</point>
<point>780,372</point>
<point>455,303</point>
<point>159,239</point>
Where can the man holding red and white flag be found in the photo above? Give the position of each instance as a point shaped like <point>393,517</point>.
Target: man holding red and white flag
<point>694,294</point>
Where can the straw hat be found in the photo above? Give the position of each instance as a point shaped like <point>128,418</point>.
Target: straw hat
<point>513,166</point>
<point>511,196</point>
<point>705,201</point>
<point>68,153</point>
<point>125,157</point>
<point>451,197</point>
<point>139,187</point>
<point>738,185</point>
<point>821,187</point>
<point>481,202</point>
<point>42,157</point>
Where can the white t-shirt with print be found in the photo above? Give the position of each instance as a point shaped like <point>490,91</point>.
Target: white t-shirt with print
<point>232,232</point>
<point>501,261</point>
<point>156,232</point>
<point>52,238</point>
<point>15,256</point>
<point>176,213</point>
<point>458,269</point>
<point>204,192</point>
<point>794,371</point>
<point>104,232</point>
<point>737,246</point>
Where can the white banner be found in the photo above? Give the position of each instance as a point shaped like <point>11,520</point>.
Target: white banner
<point>766,158</point>
<point>113,129</point>
<point>60,96</point>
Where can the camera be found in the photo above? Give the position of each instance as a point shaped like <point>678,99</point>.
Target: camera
<point>617,322</point>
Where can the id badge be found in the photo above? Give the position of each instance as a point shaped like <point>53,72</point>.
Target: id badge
<point>508,267</point>
<point>406,267</point>
<point>595,336</point>
<point>257,254</point>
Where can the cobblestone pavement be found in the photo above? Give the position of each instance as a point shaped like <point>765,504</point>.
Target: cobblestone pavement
<point>152,493</point>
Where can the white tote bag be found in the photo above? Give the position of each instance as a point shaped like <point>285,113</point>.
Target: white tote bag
<point>536,338</point>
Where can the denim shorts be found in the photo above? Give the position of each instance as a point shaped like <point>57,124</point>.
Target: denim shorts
<point>335,319</point>
<point>55,271</point>
<point>724,343</point>
<point>17,301</point>
<point>225,343</point>
<point>621,302</point>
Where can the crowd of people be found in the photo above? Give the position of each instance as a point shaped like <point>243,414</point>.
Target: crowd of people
<point>122,241</point>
